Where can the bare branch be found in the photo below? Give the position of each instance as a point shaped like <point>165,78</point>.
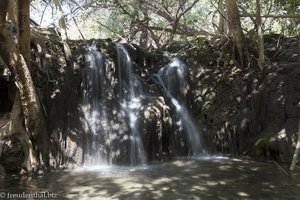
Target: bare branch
<point>272,16</point>
<point>179,32</point>
<point>43,13</point>
<point>188,8</point>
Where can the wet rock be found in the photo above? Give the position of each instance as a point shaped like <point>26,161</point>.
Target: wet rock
<point>157,129</point>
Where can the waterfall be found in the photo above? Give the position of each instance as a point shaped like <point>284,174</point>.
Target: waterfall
<point>172,80</point>
<point>130,95</point>
<point>113,127</point>
<point>94,107</point>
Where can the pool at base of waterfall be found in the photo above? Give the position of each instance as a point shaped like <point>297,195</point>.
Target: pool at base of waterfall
<point>186,178</point>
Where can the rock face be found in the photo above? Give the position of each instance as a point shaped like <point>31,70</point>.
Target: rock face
<point>240,108</point>
<point>115,113</point>
<point>239,112</point>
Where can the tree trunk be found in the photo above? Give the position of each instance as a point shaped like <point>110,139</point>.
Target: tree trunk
<point>12,8</point>
<point>297,151</point>
<point>14,127</point>
<point>24,29</point>
<point>18,67</point>
<point>145,22</point>
<point>236,33</point>
<point>223,23</point>
<point>34,122</point>
<point>63,31</point>
<point>8,58</point>
<point>260,37</point>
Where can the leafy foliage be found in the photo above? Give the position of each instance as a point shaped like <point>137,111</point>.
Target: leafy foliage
<point>160,22</point>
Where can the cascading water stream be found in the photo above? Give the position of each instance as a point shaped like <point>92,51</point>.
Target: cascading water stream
<point>130,95</point>
<point>172,80</point>
<point>94,107</point>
